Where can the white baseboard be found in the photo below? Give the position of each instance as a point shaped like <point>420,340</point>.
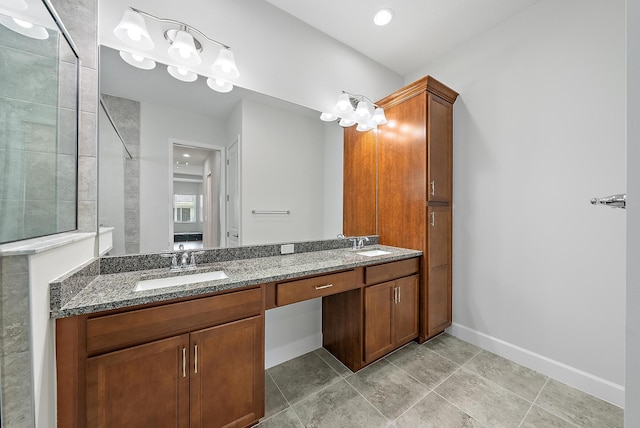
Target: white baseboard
<point>273,357</point>
<point>594,385</point>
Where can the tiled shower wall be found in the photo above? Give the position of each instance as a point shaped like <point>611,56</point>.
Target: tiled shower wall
<point>126,115</point>
<point>80,19</point>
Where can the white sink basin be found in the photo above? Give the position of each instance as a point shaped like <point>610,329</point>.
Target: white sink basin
<point>172,281</point>
<point>372,253</point>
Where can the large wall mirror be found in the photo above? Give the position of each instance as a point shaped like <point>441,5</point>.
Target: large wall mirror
<point>198,168</point>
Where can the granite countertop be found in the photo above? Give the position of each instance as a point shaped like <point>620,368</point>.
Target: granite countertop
<point>116,290</point>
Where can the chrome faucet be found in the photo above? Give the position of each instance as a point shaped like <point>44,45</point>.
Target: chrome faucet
<point>358,242</point>
<point>361,241</point>
<point>187,259</point>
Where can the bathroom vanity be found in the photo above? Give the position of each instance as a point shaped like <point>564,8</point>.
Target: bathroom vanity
<point>193,355</point>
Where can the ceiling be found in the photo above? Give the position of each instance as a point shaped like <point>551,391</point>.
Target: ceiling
<point>420,31</point>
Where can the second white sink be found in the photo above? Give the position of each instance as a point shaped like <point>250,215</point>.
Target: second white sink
<point>372,253</point>
<point>172,281</point>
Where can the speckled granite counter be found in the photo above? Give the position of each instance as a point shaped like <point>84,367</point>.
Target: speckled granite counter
<point>116,290</point>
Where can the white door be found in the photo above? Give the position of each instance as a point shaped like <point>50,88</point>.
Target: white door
<point>208,233</point>
<point>233,196</point>
<point>632,381</point>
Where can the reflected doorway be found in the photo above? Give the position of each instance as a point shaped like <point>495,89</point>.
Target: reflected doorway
<point>197,189</point>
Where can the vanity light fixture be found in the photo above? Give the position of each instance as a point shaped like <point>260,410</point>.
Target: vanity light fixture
<point>354,109</point>
<point>184,49</point>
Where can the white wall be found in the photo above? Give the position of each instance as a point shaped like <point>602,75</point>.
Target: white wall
<point>282,169</point>
<point>158,124</point>
<point>44,267</point>
<point>632,385</point>
<point>539,273</point>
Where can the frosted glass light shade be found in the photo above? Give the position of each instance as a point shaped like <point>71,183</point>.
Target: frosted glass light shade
<point>362,127</point>
<point>183,49</point>
<point>328,117</point>
<point>379,117</point>
<point>343,104</point>
<point>24,27</point>
<point>345,123</point>
<point>219,85</point>
<point>364,110</point>
<point>138,61</point>
<point>182,73</point>
<point>225,65</point>
<point>133,30</point>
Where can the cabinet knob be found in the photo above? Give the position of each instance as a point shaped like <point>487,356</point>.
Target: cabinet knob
<point>433,188</point>
<point>433,218</point>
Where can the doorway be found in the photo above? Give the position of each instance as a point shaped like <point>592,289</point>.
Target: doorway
<point>197,183</point>
<point>233,232</point>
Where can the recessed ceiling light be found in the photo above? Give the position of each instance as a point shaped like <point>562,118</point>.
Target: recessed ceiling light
<point>383,17</point>
<point>186,155</point>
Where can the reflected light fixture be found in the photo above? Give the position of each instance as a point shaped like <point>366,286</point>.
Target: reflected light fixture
<point>219,85</point>
<point>354,109</point>
<point>138,60</point>
<point>383,17</point>
<point>186,43</point>
<point>23,27</point>
<point>182,73</point>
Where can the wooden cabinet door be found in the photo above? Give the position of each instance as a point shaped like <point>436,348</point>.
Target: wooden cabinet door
<point>378,333</point>
<point>440,149</point>
<point>402,175</point>
<point>405,310</point>
<point>438,260</point>
<point>227,374</point>
<point>142,386</point>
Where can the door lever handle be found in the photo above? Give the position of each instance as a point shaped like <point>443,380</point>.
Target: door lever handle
<point>614,201</point>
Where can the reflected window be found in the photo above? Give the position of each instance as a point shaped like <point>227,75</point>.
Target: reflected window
<point>184,208</point>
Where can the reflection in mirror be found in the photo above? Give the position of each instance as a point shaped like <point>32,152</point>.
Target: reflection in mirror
<point>274,170</point>
<point>38,138</point>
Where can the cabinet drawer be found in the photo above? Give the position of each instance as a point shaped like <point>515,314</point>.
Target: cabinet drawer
<point>319,286</point>
<point>393,270</point>
<point>117,331</point>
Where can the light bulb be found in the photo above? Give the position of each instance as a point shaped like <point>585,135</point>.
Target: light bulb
<point>182,71</point>
<point>137,57</point>
<point>134,34</point>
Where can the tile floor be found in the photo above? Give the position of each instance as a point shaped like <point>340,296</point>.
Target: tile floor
<point>443,383</point>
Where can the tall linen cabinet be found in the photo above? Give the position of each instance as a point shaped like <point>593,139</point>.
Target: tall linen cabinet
<point>414,159</point>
